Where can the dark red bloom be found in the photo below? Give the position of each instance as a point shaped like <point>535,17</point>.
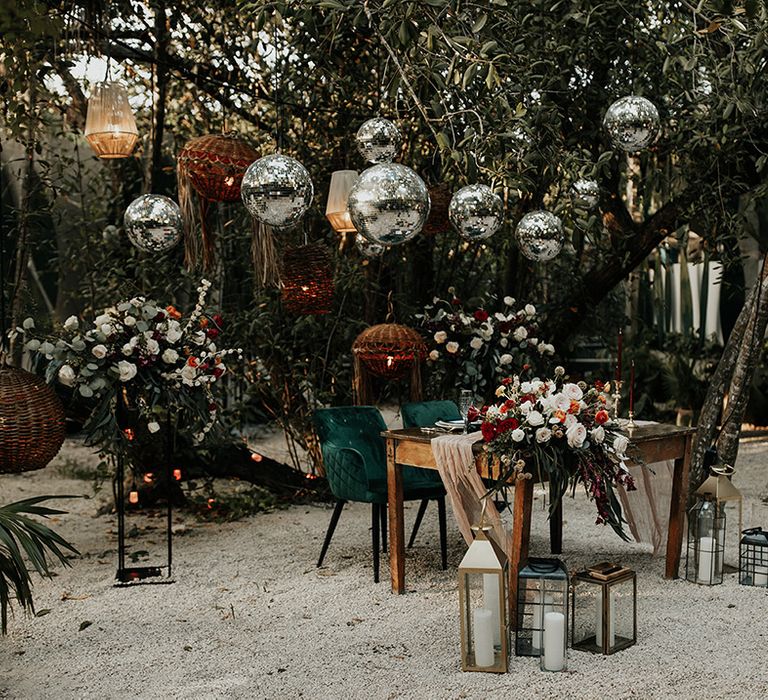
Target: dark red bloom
<point>506,381</point>
<point>506,326</point>
<point>599,385</point>
<point>507,424</point>
<point>456,301</point>
<point>212,333</point>
<point>472,413</point>
<point>509,403</point>
<point>488,431</point>
<point>218,372</point>
<point>481,315</point>
<point>218,320</point>
<point>601,417</point>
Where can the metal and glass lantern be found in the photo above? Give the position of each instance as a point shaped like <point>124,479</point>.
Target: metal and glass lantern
<point>542,588</point>
<point>706,542</point>
<point>719,484</point>
<point>604,609</point>
<point>483,605</point>
<point>753,558</point>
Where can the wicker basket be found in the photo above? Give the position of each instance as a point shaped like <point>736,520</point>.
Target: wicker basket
<point>389,350</point>
<point>437,221</point>
<point>32,420</point>
<point>307,278</point>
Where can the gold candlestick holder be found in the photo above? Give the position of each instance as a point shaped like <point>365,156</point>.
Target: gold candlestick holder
<point>616,399</point>
<point>631,422</point>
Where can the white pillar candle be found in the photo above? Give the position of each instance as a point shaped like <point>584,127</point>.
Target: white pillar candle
<point>554,641</point>
<point>484,655</point>
<point>492,603</point>
<point>761,576</point>
<point>706,571</point>
<point>541,610</point>
<point>611,622</point>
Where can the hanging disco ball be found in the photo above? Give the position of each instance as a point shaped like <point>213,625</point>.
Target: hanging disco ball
<point>585,194</point>
<point>540,235</point>
<point>277,190</point>
<point>368,249</point>
<point>378,140</point>
<point>153,223</point>
<point>632,122</point>
<point>476,211</point>
<point>389,204</point>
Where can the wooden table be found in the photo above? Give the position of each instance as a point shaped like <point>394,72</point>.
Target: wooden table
<point>411,446</point>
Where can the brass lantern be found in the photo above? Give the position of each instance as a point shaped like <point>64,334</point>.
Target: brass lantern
<point>483,604</point>
<point>604,609</point>
<point>336,210</point>
<point>110,127</point>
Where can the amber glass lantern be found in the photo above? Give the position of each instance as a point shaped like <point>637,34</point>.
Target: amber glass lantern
<point>604,609</point>
<point>706,542</point>
<point>110,127</point>
<point>483,605</point>
<point>336,209</point>
<point>753,558</point>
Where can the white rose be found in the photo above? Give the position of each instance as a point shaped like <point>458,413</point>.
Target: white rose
<point>543,435</point>
<point>127,349</point>
<point>533,341</point>
<point>518,434</point>
<point>434,355</point>
<point>71,324</point>
<point>576,435</point>
<point>526,407</point>
<point>441,337</point>
<point>620,445</point>
<point>188,375</point>
<point>561,402</point>
<point>66,375</point>
<point>535,418</point>
<point>153,347</point>
<point>570,419</point>
<point>505,359</point>
<point>149,312</point>
<point>47,348</point>
<point>127,370</point>
<point>32,345</point>
<point>573,392</point>
<point>526,387</point>
<point>101,320</point>
<point>549,349</point>
<point>99,351</point>
<point>476,343</point>
<point>107,329</point>
<point>170,356</point>
<point>520,334</point>
<point>503,342</point>
<point>28,324</point>
<point>598,435</point>
<point>153,427</point>
<point>509,301</point>
<point>452,347</point>
<point>530,310</point>
<point>129,321</point>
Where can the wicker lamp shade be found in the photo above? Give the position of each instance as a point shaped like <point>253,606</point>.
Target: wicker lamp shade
<point>437,221</point>
<point>389,351</point>
<point>110,127</point>
<point>31,421</point>
<point>307,279</point>
<point>336,209</point>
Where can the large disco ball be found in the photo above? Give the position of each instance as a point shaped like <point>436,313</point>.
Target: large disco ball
<point>585,194</point>
<point>378,140</point>
<point>389,204</point>
<point>153,223</point>
<point>277,190</point>
<point>476,211</point>
<point>632,122</point>
<point>368,249</point>
<point>540,235</point>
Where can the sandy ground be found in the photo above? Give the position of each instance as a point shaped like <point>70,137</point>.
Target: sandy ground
<point>250,616</point>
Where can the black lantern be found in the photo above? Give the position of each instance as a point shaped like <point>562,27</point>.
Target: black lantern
<point>706,542</point>
<point>542,588</point>
<point>753,558</point>
<point>604,609</point>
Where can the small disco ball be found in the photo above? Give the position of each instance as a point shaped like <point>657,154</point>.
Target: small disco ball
<point>389,204</point>
<point>585,194</point>
<point>153,223</point>
<point>277,190</point>
<point>476,212</point>
<point>632,122</point>
<point>368,249</point>
<point>540,235</point>
<point>378,140</point>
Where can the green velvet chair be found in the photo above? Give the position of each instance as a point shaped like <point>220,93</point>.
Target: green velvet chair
<point>355,460</point>
<point>424,414</point>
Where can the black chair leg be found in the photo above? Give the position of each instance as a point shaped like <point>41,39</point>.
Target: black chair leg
<point>443,532</point>
<point>375,543</point>
<point>556,529</point>
<point>417,523</point>
<point>383,521</point>
<point>331,527</point>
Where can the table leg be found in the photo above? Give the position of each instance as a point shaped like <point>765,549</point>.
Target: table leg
<point>521,532</point>
<point>396,520</point>
<point>677,509</point>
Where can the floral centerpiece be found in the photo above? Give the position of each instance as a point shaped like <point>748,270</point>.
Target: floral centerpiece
<point>142,358</point>
<point>561,432</point>
<point>475,348</point>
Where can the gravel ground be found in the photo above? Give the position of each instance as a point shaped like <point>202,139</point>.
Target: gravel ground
<point>250,616</point>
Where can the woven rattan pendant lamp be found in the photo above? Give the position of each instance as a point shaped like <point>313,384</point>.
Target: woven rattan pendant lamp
<point>110,127</point>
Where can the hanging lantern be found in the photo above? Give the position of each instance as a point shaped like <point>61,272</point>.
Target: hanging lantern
<point>336,210</point>
<point>31,421</point>
<point>706,542</point>
<point>483,604</point>
<point>110,127</point>
<point>604,609</point>
<point>368,249</point>
<point>540,236</point>
<point>542,589</point>
<point>440,200</point>
<point>476,212</point>
<point>212,168</point>
<point>585,194</point>
<point>153,223</point>
<point>632,123</point>
<point>389,204</point>
<point>307,279</point>
<point>753,558</point>
<point>277,190</point>
<point>378,140</point>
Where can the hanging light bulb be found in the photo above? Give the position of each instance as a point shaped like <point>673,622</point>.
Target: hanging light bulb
<point>110,127</point>
<point>336,210</point>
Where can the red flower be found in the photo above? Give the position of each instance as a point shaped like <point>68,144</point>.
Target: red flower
<point>212,333</point>
<point>488,431</point>
<point>599,385</point>
<point>472,413</point>
<point>481,315</point>
<point>507,424</point>
<point>218,320</point>
<point>506,381</point>
<point>601,417</point>
<point>218,372</point>
<point>456,301</point>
